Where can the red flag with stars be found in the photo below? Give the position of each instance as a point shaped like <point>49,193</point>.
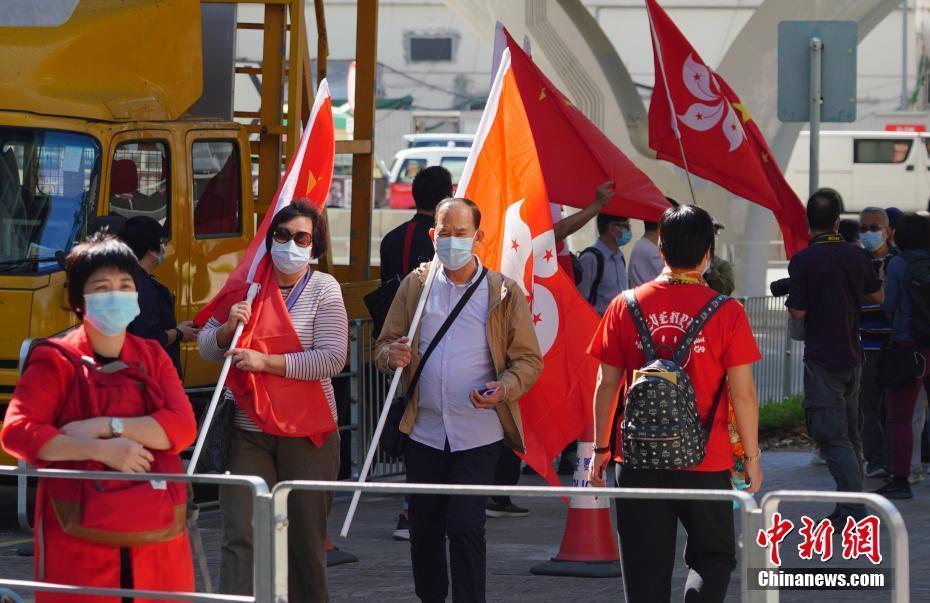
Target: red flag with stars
<point>285,407</point>
<point>695,113</point>
<point>503,176</point>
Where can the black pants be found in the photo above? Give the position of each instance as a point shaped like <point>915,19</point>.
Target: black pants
<point>461,518</point>
<point>648,529</point>
<point>507,472</point>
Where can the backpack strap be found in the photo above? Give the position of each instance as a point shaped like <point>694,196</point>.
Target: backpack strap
<point>598,275</point>
<point>408,244</point>
<point>697,324</point>
<point>639,321</point>
<point>709,421</point>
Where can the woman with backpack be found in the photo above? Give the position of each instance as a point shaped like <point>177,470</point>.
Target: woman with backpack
<point>683,352</point>
<point>100,399</point>
<point>903,366</point>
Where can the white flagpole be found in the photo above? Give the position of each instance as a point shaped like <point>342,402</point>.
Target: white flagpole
<point>671,104</point>
<point>211,410</point>
<point>392,391</point>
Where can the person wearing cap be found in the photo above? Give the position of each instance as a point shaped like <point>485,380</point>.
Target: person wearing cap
<point>719,275</point>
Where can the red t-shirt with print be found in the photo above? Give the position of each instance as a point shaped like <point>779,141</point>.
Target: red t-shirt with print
<point>725,341</point>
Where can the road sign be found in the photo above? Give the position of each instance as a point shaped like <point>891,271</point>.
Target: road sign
<point>838,69</point>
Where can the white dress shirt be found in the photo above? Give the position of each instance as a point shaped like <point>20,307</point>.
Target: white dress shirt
<point>461,362</point>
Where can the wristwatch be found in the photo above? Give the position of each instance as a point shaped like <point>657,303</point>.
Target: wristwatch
<point>747,458</point>
<point>116,427</point>
<point>180,334</point>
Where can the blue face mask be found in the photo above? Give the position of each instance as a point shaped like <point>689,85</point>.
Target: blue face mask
<point>455,252</point>
<point>872,241</point>
<point>625,237</point>
<point>111,311</point>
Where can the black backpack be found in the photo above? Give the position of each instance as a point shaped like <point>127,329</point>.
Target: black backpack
<point>917,281</point>
<point>661,428</point>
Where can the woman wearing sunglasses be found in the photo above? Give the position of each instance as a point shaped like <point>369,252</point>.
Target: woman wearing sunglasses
<point>314,301</point>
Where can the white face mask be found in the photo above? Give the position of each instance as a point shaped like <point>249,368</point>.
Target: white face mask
<point>289,258</point>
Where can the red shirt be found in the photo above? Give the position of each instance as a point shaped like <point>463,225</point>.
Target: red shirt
<point>725,341</point>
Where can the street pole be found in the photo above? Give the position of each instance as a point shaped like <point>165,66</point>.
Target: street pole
<point>903,55</point>
<point>816,100</point>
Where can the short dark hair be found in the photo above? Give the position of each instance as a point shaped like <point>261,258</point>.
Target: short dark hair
<point>849,228</point>
<point>686,234</point>
<point>430,186</point>
<point>296,209</point>
<point>913,232</point>
<point>100,251</point>
<point>449,201</point>
<point>605,220</point>
<point>823,209</point>
<point>143,234</point>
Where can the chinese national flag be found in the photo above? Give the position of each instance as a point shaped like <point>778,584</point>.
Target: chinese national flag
<point>575,156</point>
<point>721,142</point>
<point>503,176</point>
<point>300,408</point>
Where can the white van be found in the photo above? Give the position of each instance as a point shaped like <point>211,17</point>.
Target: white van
<point>884,169</point>
<point>409,162</point>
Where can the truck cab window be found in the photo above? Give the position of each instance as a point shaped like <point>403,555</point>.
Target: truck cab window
<point>139,181</point>
<point>217,189</point>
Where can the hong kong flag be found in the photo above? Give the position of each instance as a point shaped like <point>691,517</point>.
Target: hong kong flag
<point>693,112</point>
<point>503,176</point>
<point>299,408</point>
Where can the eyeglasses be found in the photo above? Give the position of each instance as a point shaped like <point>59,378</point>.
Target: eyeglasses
<point>870,228</point>
<point>301,238</point>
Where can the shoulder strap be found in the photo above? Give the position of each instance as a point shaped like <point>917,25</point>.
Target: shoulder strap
<point>445,327</point>
<point>408,244</point>
<point>639,321</point>
<point>697,324</point>
<point>598,275</point>
<point>709,421</point>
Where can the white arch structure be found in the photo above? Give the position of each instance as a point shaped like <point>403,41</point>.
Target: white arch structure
<point>575,52</point>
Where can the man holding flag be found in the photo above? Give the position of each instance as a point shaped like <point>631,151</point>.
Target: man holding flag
<point>474,355</point>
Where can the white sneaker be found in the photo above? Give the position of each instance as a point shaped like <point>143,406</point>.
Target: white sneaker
<point>816,459</point>
<point>916,477</point>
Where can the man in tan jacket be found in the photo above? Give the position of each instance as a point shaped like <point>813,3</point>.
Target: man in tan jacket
<point>466,401</point>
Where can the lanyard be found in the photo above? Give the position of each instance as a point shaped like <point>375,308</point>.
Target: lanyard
<point>828,237</point>
<point>298,289</point>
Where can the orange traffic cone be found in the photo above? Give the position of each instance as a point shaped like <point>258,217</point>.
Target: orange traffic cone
<point>336,557</point>
<point>589,545</point>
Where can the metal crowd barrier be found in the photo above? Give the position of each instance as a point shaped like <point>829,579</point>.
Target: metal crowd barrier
<point>780,373</point>
<point>261,522</point>
<point>270,525</point>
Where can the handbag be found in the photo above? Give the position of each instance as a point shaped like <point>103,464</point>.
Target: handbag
<point>897,366</point>
<point>107,511</point>
<point>393,440</point>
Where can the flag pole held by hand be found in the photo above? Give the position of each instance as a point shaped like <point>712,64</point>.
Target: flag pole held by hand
<point>395,381</point>
<point>211,409</point>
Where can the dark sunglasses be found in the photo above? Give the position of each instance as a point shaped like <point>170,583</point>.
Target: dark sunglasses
<point>301,238</point>
<point>870,227</point>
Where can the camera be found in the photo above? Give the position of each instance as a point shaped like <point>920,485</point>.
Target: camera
<point>781,287</point>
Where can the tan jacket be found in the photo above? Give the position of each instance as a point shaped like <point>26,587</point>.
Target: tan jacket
<point>511,340</point>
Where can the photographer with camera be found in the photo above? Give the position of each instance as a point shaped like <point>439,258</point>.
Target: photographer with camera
<point>829,281</point>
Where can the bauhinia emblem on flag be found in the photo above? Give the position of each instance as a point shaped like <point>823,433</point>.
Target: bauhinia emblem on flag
<point>697,122</point>
<point>280,406</point>
<point>503,177</point>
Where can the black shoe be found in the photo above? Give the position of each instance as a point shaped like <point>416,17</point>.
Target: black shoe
<point>875,470</point>
<point>402,531</point>
<point>897,489</point>
<point>505,510</point>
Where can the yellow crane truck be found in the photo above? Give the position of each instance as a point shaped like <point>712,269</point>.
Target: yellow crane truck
<point>95,128</point>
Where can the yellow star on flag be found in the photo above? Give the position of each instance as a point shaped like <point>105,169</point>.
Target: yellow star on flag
<point>311,182</point>
<point>542,93</point>
<point>744,112</point>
